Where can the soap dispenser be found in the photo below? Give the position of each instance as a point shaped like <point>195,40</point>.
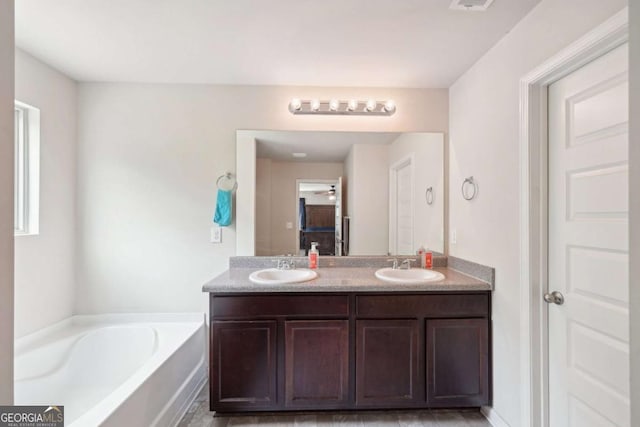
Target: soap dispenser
<point>314,256</point>
<point>421,254</point>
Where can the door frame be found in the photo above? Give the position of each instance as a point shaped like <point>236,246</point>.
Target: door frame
<point>534,347</point>
<point>393,196</point>
<point>306,181</point>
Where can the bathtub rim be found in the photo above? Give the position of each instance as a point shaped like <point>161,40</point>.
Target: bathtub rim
<point>82,324</point>
<point>50,333</point>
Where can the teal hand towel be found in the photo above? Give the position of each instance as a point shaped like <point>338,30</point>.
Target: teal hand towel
<point>222,216</point>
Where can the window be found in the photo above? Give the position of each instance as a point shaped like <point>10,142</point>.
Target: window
<point>27,169</point>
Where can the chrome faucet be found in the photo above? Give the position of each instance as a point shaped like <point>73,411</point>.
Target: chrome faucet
<point>286,264</point>
<point>395,263</point>
<point>406,264</point>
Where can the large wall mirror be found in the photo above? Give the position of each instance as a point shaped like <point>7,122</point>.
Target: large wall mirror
<point>354,193</point>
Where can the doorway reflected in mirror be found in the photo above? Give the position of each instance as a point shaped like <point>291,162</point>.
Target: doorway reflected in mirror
<point>374,182</point>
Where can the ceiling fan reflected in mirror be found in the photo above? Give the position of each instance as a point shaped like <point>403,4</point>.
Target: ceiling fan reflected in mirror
<point>330,192</point>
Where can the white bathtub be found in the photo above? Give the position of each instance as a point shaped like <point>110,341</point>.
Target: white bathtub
<point>114,370</point>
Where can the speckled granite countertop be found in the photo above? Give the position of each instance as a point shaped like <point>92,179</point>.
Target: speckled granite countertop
<point>339,279</point>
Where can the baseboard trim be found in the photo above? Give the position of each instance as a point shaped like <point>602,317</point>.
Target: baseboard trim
<point>492,416</point>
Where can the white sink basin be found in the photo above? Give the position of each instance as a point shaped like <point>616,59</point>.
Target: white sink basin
<point>273,276</point>
<point>412,276</point>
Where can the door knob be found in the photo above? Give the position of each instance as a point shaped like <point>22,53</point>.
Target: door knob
<point>554,297</point>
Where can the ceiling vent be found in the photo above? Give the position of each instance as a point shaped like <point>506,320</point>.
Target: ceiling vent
<point>471,5</point>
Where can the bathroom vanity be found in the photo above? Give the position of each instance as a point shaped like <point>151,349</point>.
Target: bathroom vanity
<point>347,340</point>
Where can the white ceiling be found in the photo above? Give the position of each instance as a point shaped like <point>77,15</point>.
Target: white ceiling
<point>385,43</point>
<point>319,146</point>
<point>307,187</point>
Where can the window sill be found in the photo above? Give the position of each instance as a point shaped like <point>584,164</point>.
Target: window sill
<point>24,234</point>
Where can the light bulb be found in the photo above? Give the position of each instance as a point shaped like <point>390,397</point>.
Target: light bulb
<point>315,105</point>
<point>332,197</point>
<point>390,106</point>
<point>334,104</point>
<point>371,105</point>
<point>352,104</point>
<point>295,104</point>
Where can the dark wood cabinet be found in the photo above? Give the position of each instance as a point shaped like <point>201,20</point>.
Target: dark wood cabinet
<point>279,352</point>
<point>243,365</point>
<point>457,362</point>
<point>387,368</point>
<point>316,363</point>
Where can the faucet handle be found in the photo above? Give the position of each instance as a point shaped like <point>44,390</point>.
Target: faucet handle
<point>408,262</point>
<point>286,263</point>
<point>282,264</point>
<point>395,262</point>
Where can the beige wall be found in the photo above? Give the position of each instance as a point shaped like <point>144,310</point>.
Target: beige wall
<point>148,158</point>
<point>6,201</point>
<point>367,170</point>
<point>282,200</point>
<point>484,116</point>
<point>44,263</point>
<point>634,220</point>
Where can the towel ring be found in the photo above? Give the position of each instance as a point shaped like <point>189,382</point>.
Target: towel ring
<point>224,178</point>
<point>473,184</point>
<point>428,195</point>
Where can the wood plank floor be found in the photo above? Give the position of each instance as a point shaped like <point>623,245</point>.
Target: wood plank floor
<point>200,416</point>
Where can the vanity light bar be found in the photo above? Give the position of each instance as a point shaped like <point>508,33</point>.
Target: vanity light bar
<point>351,107</point>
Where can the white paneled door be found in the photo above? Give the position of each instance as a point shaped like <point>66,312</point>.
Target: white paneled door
<point>401,195</point>
<point>588,245</point>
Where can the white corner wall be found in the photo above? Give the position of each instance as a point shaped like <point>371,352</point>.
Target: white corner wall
<point>45,263</point>
<point>6,201</point>
<point>484,113</point>
<point>367,170</point>
<point>634,205</point>
<point>148,159</point>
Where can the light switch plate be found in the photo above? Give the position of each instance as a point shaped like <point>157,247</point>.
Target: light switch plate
<point>216,234</point>
<point>289,225</point>
<point>454,236</point>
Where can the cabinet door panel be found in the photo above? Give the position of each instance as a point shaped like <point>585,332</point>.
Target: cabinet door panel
<point>387,372</point>
<point>243,365</point>
<point>316,363</point>
<point>457,362</point>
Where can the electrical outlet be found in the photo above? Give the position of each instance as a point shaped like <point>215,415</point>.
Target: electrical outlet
<point>216,234</point>
<point>454,236</point>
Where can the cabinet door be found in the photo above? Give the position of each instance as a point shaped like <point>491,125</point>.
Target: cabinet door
<point>316,363</point>
<point>243,365</point>
<point>457,362</point>
<point>387,364</point>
